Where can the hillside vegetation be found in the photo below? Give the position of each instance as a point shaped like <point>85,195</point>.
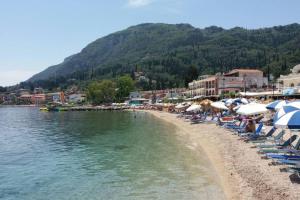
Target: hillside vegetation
<point>168,55</point>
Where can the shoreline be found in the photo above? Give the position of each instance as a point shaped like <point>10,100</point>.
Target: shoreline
<point>241,171</point>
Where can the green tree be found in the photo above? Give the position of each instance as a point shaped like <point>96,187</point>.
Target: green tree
<point>101,92</point>
<point>2,89</point>
<point>192,74</point>
<point>125,85</point>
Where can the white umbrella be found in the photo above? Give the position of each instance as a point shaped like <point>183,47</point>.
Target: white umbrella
<point>181,105</point>
<point>252,109</point>
<point>193,108</point>
<point>219,105</point>
<point>229,101</point>
<point>244,101</point>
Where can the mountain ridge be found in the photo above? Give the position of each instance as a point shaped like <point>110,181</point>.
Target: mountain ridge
<point>166,52</point>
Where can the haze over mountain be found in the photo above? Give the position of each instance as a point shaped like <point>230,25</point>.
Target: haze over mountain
<point>172,55</point>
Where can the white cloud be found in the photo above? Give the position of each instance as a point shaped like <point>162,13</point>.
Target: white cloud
<point>12,77</point>
<point>139,3</point>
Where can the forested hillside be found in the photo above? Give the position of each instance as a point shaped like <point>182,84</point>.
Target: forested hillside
<point>167,55</point>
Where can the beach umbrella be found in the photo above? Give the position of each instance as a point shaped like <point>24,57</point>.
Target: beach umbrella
<point>290,120</point>
<point>181,106</point>
<point>219,104</point>
<point>252,109</point>
<point>283,111</point>
<point>205,102</point>
<point>286,109</point>
<point>194,108</point>
<point>229,101</point>
<point>237,107</point>
<point>295,104</point>
<point>276,105</point>
<point>244,100</point>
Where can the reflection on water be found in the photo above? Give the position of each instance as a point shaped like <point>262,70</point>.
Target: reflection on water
<point>97,155</point>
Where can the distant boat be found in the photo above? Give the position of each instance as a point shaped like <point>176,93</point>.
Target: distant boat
<point>44,109</point>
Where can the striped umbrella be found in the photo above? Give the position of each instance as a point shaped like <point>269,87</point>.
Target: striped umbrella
<point>290,120</point>
<point>276,105</point>
<point>294,104</point>
<point>286,109</point>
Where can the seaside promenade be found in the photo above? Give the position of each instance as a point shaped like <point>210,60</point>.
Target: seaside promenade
<point>239,168</point>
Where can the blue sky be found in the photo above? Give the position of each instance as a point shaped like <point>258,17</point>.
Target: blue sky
<point>35,34</point>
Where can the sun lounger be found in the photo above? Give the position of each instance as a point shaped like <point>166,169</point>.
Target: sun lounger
<point>282,156</point>
<point>257,131</point>
<point>261,137</point>
<point>275,139</point>
<point>266,148</point>
<point>281,149</point>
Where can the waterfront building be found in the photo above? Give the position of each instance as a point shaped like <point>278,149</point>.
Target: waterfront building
<point>206,85</point>
<point>22,92</point>
<point>38,90</point>
<point>76,98</point>
<point>290,84</point>
<point>235,81</point>
<point>25,99</point>
<point>135,94</point>
<point>241,80</point>
<point>57,97</point>
<point>38,99</point>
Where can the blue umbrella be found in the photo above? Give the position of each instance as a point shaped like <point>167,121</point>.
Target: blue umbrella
<point>276,105</point>
<point>290,120</point>
<point>283,111</point>
<point>241,101</point>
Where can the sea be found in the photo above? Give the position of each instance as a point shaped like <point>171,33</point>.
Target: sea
<point>99,155</point>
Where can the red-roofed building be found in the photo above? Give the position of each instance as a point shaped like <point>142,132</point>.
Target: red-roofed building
<point>236,81</point>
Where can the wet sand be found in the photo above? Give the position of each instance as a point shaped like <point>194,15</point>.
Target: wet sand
<point>241,171</point>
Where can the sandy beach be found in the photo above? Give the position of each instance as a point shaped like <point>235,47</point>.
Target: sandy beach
<point>241,171</point>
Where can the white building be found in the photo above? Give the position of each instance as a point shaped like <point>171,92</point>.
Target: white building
<point>290,83</point>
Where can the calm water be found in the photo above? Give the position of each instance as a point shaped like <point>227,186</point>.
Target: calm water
<point>97,155</point>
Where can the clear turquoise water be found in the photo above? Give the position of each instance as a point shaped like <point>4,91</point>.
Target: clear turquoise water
<point>98,155</point>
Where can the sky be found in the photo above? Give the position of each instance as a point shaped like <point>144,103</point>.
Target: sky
<point>35,34</point>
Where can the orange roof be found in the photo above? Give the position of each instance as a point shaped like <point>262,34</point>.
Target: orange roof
<point>243,70</point>
<point>211,78</point>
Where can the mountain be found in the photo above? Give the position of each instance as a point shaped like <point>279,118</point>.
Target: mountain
<point>168,55</point>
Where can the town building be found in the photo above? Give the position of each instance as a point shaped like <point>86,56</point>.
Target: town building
<point>76,98</point>
<point>241,80</point>
<point>235,81</point>
<point>38,90</point>
<point>57,97</point>
<point>22,92</point>
<point>290,84</point>
<point>206,85</point>
<point>135,94</point>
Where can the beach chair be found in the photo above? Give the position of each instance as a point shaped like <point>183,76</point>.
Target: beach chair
<point>199,119</point>
<point>257,131</point>
<point>282,156</point>
<point>287,153</point>
<point>288,142</point>
<point>274,139</point>
<point>260,137</point>
<point>234,126</point>
<point>284,149</point>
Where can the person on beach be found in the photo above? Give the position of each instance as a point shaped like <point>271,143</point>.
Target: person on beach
<point>250,127</point>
